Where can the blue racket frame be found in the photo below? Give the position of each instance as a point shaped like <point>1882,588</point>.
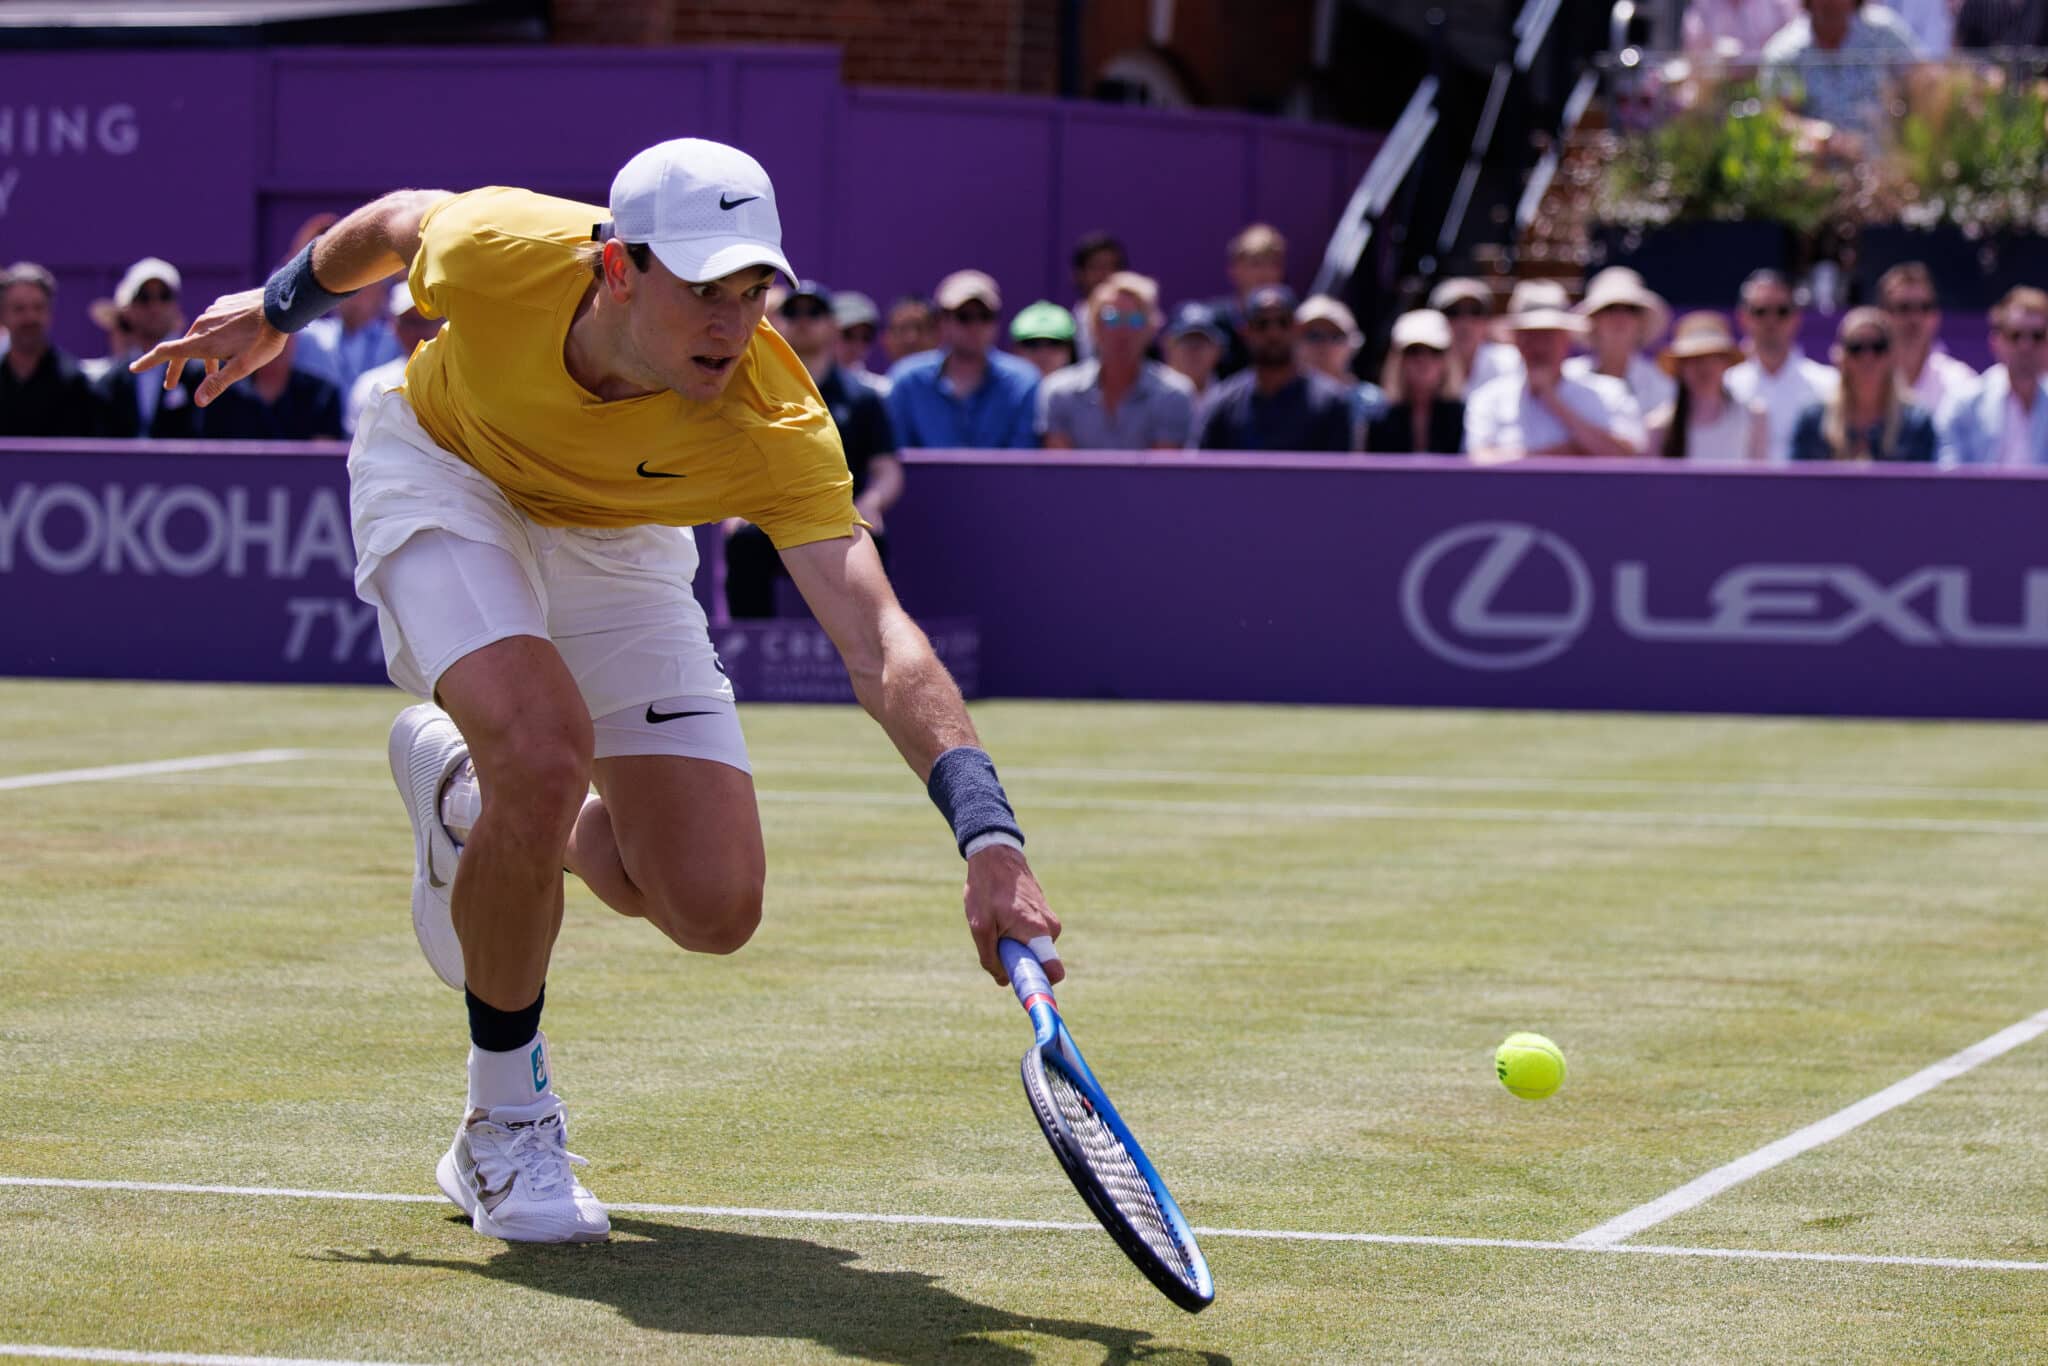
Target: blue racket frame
<point>1054,1047</point>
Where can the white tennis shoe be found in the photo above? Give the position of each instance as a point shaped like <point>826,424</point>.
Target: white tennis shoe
<point>425,751</point>
<point>510,1171</point>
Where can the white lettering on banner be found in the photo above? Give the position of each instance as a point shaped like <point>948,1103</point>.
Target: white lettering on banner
<point>185,530</point>
<point>1748,604</point>
<point>352,621</point>
<point>58,130</point>
<point>63,130</point>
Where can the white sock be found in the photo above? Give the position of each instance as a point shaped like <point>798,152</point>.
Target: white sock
<point>518,1077</point>
<point>462,802</point>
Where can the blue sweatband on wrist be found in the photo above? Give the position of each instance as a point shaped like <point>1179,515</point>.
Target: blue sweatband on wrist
<point>292,297</point>
<point>964,787</point>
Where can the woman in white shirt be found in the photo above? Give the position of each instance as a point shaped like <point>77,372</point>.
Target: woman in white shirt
<point>1705,422</point>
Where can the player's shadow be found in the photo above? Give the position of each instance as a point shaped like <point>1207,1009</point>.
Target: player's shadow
<point>712,1283</point>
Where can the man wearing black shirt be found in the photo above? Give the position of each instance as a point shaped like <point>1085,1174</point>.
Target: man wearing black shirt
<point>808,324</point>
<point>42,392</point>
<point>1274,405</point>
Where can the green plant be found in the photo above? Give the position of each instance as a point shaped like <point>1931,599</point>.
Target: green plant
<point>1972,150</point>
<point>1734,155</point>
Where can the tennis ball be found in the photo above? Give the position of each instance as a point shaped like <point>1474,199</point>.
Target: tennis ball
<point>1529,1065</point>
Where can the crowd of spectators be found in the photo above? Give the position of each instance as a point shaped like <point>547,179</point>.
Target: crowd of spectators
<point>1254,370</point>
<point>1610,374</point>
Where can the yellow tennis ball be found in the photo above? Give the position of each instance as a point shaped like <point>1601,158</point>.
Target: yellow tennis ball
<point>1529,1065</point>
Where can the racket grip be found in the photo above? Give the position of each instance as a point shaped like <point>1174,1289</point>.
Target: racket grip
<point>1027,976</point>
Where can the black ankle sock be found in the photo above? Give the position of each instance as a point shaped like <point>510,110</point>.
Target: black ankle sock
<point>500,1031</point>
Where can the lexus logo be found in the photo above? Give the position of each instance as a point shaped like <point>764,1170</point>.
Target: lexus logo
<point>1452,601</point>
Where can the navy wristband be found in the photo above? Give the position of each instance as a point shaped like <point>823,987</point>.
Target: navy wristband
<point>964,787</point>
<point>292,297</point>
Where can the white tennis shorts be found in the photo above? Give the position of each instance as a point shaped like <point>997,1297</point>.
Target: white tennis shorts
<point>451,566</point>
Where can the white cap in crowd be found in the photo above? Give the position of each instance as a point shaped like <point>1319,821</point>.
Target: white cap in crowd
<point>141,273</point>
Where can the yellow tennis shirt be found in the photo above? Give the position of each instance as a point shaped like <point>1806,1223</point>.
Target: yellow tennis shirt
<point>500,265</point>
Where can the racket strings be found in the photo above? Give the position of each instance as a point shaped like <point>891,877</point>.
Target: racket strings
<point>1127,1187</point>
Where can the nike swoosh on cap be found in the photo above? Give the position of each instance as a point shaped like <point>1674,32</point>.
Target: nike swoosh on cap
<point>657,717</point>
<point>725,203</point>
<point>646,473</point>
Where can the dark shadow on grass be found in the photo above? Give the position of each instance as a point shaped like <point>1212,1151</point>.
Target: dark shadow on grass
<point>713,1283</point>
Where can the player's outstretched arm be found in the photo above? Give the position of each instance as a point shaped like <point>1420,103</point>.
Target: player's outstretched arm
<point>902,684</point>
<point>234,337</point>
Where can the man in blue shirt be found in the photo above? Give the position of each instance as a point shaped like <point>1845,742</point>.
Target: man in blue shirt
<point>966,393</point>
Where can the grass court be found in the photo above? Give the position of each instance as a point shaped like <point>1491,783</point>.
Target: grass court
<point>1295,936</point>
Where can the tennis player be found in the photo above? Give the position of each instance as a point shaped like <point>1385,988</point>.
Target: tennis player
<point>520,509</point>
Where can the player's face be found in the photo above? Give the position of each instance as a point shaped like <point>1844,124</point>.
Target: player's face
<point>693,334</point>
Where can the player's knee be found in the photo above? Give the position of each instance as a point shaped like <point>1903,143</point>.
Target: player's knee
<point>539,783</point>
<point>715,915</point>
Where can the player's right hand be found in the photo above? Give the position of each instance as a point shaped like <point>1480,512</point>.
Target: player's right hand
<point>231,338</point>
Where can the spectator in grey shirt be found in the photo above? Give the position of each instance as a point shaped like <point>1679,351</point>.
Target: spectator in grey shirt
<point>1117,400</point>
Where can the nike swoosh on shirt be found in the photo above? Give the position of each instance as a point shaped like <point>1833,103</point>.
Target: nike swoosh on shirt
<point>646,473</point>
<point>725,203</point>
<point>657,717</point>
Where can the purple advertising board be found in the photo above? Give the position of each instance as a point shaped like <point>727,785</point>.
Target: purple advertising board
<point>214,160</point>
<point>1330,579</point>
<point>1567,584</point>
<point>189,560</point>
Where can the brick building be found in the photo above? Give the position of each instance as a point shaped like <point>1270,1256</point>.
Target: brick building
<point>1244,54</point>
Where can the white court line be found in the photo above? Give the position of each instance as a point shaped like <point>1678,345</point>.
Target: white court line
<point>1393,782</point>
<point>814,1216</point>
<point>1415,782</point>
<point>1496,815</point>
<point>152,768</point>
<point>1705,1188</point>
<point>34,1349</point>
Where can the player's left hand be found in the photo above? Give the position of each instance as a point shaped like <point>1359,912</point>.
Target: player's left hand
<point>1004,901</point>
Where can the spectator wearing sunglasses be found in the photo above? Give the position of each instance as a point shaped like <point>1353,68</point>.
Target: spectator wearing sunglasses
<point>1777,373</point>
<point>42,392</point>
<point>1194,346</point>
<point>146,310</point>
<point>1422,381</point>
<point>1703,421</point>
<point>1327,338</point>
<point>1097,256</point>
<point>1256,259</point>
<point>965,394</point>
<point>1117,400</point>
<point>1274,405</point>
<point>809,320</point>
<point>1868,417</point>
<point>1044,334</point>
<point>859,323</point>
<point>1467,305</point>
<point>2005,421</point>
<point>1930,374</point>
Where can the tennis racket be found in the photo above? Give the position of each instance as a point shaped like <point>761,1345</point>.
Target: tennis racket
<point>1097,1150</point>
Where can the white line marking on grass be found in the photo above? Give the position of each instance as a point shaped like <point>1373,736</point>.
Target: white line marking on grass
<point>1705,1188</point>
<point>151,769</point>
<point>817,1216</point>
<point>1409,782</point>
<point>1392,782</point>
<point>1338,811</point>
<point>32,1349</point>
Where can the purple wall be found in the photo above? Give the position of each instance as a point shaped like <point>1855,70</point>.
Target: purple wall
<point>1430,582</point>
<point>1287,579</point>
<point>211,160</point>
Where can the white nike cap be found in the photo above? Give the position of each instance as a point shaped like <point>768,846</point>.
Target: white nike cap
<point>705,209</point>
